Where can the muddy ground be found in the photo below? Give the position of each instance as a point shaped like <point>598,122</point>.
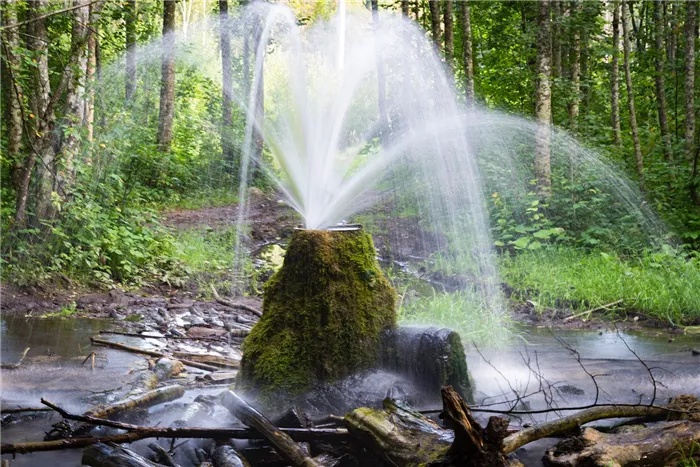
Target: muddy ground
<point>271,222</point>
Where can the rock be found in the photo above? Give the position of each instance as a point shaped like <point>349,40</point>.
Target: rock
<point>198,331</point>
<point>221,377</point>
<point>570,390</point>
<point>197,321</point>
<point>323,315</point>
<point>429,357</point>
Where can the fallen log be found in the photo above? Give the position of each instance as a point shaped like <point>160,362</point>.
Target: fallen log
<point>472,446</point>
<point>14,366</point>
<point>152,353</point>
<point>565,424</point>
<point>214,360</point>
<point>286,447</point>
<point>400,434</point>
<point>141,432</point>
<point>9,411</point>
<point>147,399</point>
<point>226,455</point>
<point>656,444</point>
<point>142,336</point>
<point>102,455</point>
<point>238,306</point>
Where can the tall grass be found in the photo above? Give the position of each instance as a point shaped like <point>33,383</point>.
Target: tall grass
<point>662,285</point>
<point>464,311</point>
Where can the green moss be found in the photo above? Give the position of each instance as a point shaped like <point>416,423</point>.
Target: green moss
<point>323,313</point>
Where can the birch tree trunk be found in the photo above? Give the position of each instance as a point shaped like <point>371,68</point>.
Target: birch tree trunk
<point>690,79</point>
<point>615,76</point>
<point>639,160</point>
<point>660,81</point>
<point>467,54</point>
<point>130,30</point>
<point>575,61</point>
<point>167,83</point>
<point>12,113</point>
<point>227,87</point>
<point>543,98</point>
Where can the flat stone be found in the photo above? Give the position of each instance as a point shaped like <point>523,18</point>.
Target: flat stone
<point>198,331</point>
<point>221,376</point>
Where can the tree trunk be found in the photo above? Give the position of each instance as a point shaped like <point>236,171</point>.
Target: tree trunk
<point>259,83</point>
<point>74,115</point>
<point>615,75</point>
<point>449,33</point>
<point>416,10</point>
<point>227,88</point>
<point>404,8</point>
<point>91,67</point>
<point>167,83</point>
<point>639,160</point>
<point>575,63</point>
<point>381,80</point>
<point>130,29</point>
<point>467,57</point>
<point>690,79</point>
<point>543,98</point>
<point>434,6</point>
<point>660,86</point>
<point>11,95</point>
<point>556,40</point>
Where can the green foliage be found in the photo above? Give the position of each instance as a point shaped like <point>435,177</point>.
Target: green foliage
<point>65,312</point>
<point>90,243</point>
<point>664,285</point>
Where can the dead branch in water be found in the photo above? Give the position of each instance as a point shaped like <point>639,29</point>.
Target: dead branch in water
<point>14,366</point>
<point>9,411</point>
<point>137,432</point>
<point>147,399</point>
<point>286,447</point>
<point>593,310</point>
<point>117,345</point>
<point>142,336</point>
<point>238,306</point>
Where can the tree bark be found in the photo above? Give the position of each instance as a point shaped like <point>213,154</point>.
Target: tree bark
<point>12,115</point>
<point>543,98</point>
<point>167,83</point>
<point>434,6</point>
<point>130,29</point>
<point>575,64</point>
<point>660,81</point>
<point>467,53</point>
<point>404,8</point>
<point>448,19</point>
<point>89,118</point>
<point>615,76</point>
<point>639,160</point>
<point>227,88</point>
<point>690,25</point>
<point>556,40</point>
<point>381,80</point>
<point>74,114</point>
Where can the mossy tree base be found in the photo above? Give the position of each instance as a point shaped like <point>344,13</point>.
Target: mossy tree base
<point>323,315</point>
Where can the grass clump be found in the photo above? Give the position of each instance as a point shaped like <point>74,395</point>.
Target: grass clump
<point>465,311</point>
<point>663,285</point>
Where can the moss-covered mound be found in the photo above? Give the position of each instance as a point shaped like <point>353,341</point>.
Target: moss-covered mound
<point>323,314</point>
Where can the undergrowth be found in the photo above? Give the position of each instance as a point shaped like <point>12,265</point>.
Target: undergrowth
<point>664,285</point>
